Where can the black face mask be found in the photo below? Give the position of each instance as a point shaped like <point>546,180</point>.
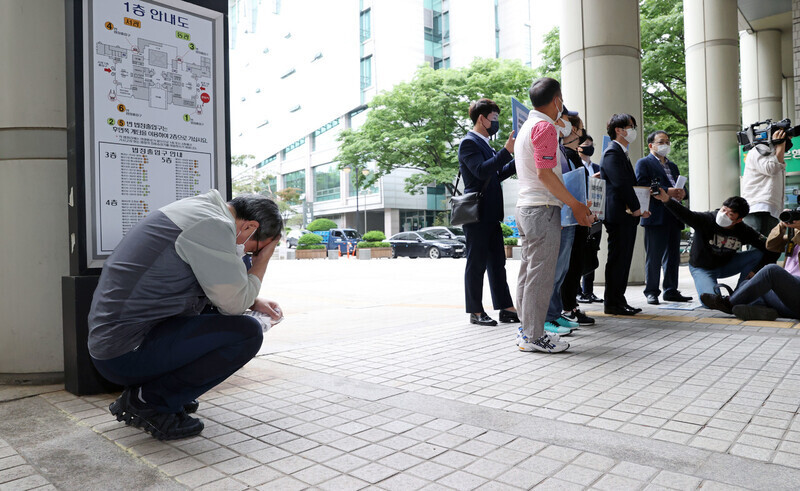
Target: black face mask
<point>588,151</point>
<point>494,127</point>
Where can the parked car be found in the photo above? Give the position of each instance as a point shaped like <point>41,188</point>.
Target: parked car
<point>340,238</point>
<point>293,236</point>
<point>456,233</point>
<point>424,244</point>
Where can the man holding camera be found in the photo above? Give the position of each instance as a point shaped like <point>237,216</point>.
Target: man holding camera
<point>774,291</point>
<point>718,237</point>
<point>662,230</point>
<point>763,182</point>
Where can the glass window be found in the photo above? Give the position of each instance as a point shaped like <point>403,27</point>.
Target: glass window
<point>296,180</point>
<point>372,189</point>
<point>326,182</point>
<point>366,25</point>
<point>366,72</point>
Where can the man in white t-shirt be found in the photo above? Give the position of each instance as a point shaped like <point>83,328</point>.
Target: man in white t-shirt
<point>541,195</point>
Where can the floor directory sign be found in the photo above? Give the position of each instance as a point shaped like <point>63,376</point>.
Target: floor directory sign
<point>154,127</point>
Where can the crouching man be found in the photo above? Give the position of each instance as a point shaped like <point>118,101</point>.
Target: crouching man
<point>166,320</point>
<point>718,236</point>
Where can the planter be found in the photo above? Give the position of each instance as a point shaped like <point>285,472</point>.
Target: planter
<point>509,251</point>
<point>375,252</point>
<point>311,254</point>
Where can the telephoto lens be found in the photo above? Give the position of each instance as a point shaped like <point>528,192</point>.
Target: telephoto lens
<point>789,216</point>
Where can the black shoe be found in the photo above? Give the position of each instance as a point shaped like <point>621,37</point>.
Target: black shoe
<point>614,310</point>
<point>163,426</point>
<point>676,297</point>
<point>578,316</point>
<point>191,406</point>
<point>584,298</point>
<point>506,316</point>
<point>482,319</point>
<point>717,302</point>
<point>652,299</point>
<point>635,310</point>
<point>755,313</point>
<point>594,298</point>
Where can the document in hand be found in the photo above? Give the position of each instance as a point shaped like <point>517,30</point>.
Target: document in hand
<point>266,321</point>
<point>597,195</point>
<point>643,193</point>
<point>575,182</point>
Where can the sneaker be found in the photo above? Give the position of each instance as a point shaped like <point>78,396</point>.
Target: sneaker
<point>578,316</point>
<point>584,298</point>
<point>717,302</point>
<point>755,313</point>
<point>595,298</point>
<point>551,328</point>
<point>549,343</point>
<point>564,322</point>
<point>163,426</point>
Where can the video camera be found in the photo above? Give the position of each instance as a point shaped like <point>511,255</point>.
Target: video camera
<point>760,133</point>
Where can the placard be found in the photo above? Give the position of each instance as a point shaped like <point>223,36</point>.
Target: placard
<point>155,124</point>
<point>575,182</point>
<point>519,114</point>
<point>597,195</point>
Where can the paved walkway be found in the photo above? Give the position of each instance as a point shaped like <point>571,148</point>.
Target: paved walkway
<point>376,380</point>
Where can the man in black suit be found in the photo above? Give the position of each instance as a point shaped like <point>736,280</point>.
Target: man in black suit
<point>484,169</point>
<point>622,212</point>
<point>662,230</point>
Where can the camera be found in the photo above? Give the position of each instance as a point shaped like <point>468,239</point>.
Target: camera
<point>655,187</point>
<point>762,131</point>
<point>791,215</point>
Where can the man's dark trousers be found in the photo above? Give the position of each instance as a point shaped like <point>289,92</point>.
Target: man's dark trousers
<point>182,358</point>
<point>485,253</point>
<point>662,245</point>
<point>621,239</point>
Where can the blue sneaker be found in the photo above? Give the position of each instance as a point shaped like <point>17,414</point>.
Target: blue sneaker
<point>564,322</point>
<point>551,328</point>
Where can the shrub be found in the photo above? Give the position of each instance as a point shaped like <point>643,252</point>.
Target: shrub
<point>369,245</point>
<point>310,241</point>
<point>321,225</point>
<point>507,231</point>
<point>374,236</point>
<point>510,241</point>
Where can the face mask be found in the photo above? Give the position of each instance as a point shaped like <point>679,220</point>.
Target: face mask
<point>240,247</point>
<point>723,220</point>
<point>583,137</point>
<point>566,130</point>
<point>588,150</point>
<point>630,135</point>
<point>663,150</point>
<point>561,109</point>
<point>493,128</point>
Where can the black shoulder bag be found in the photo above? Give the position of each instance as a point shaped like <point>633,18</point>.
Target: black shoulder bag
<point>465,208</point>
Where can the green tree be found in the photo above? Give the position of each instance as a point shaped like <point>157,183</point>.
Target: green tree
<point>419,124</point>
<point>551,56</point>
<point>664,74</point>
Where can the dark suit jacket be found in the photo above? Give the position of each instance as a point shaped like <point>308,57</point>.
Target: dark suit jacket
<point>617,171</point>
<point>648,169</point>
<point>478,162</point>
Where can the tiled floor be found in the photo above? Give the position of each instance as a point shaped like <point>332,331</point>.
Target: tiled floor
<point>390,388</point>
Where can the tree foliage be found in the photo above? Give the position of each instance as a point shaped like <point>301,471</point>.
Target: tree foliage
<point>551,56</point>
<point>418,124</point>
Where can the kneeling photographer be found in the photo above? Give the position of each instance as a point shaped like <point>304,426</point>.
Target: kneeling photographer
<point>774,291</point>
<point>764,175</point>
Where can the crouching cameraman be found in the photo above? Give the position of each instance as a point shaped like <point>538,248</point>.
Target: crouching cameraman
<point>774,291</point>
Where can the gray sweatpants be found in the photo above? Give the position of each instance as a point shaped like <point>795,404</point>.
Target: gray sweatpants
<point>540,231</point>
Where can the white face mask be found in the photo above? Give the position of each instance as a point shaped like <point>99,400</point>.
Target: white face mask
<point>240,247</point>
<point>723,220</point>
<point>663,149</point>
<point>566,130</point>
<point>630,135</point>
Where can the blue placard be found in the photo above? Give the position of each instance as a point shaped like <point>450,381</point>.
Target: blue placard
<point>575,182</point>
<point>606,143</point>
<point>519,114</point>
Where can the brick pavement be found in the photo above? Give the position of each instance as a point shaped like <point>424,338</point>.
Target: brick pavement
<point>391,388</point>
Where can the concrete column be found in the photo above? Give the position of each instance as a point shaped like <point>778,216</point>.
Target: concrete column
<point>33,188</point>
<point>601,74</point>
<point>762,79</point>
<point>712,91</point>
<point>391,221</point>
